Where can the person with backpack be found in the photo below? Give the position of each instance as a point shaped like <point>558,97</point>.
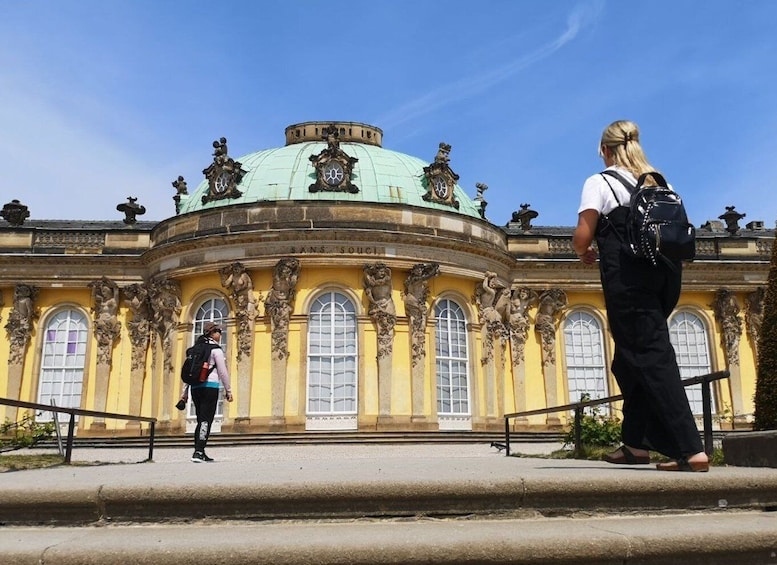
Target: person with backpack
<point>205,390</point>
<point>639,295</point>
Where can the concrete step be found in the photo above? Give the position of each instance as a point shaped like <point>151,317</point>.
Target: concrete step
<point>743,538</point>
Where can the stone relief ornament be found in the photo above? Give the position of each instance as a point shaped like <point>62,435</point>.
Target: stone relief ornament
<point>278,304</point>
<point>20,321</point>
<point>492,298</point>
<point>440,179</point>
<point>136,298</point>
<point>105,307</point>
<point>521,301</point>
<point>334,167</point>
<point>726,312</point>
<point>165,296</point>
<point>14,212</point>
<point>754,315</point>
<point>223,174</point>
<point>238,282</point>
<point>551,303</point>
<point>377,286</point>
<point>415,295</point>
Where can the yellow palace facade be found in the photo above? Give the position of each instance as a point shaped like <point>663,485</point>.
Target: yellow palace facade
<point>361,289</point>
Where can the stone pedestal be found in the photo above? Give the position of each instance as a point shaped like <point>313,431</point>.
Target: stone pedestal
<point>751,449</point>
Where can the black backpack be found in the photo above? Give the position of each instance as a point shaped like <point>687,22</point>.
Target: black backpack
<point>195,369</point>
<point>657,226</point>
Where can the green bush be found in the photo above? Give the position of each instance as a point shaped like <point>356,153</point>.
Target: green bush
<point>597,428</point>
<point>765,399</point>
<point>24,433</point>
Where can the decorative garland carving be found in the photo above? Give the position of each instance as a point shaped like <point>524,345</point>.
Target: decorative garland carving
<point>727,315</point>
<point>415,295</point>
<point>20,321</point>
<point>136,298</point>
<point>551,303</point>
<point>236,279</point>
<point>377,285</point>
<point>105,306</point>
<point>278,305</point>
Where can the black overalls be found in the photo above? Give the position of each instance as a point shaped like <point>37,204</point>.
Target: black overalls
<point>639,298</point>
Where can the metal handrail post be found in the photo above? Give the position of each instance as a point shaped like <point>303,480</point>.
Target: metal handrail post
<point>706,399</point>
<point>70,432</point>
<point>507,437</point>
<point>152,428</point>
<point>578,431</point>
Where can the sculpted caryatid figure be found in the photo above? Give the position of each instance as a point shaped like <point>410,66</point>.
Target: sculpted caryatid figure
<point>551,303</point>
<point>377,286</point>
<point>522,300</point>
<point>20,321</point>
<point>278,304</point>
<point>137,300</point>
<point>727,314</point>
<point>166,307</point>
<point>236,279</point>
<point>415,295</point>
<point>105,299</point>
<point>754,315</point>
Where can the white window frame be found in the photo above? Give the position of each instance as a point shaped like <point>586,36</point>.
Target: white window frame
<point>63,361</point>
<point>585,357</point>
<point>451,345</point>
<point>692,351</point>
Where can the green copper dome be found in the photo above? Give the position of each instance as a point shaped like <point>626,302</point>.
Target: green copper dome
<point>377,176</point>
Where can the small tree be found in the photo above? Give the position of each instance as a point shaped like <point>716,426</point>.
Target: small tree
<point>766,375</point>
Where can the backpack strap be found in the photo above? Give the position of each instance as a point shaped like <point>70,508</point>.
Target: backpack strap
<point>658,177</point>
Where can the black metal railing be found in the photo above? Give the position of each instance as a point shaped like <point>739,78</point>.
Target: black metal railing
<point>79,412</point>
<point>706,398</point>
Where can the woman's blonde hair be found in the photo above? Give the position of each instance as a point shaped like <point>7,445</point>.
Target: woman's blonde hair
<point>622,139</point>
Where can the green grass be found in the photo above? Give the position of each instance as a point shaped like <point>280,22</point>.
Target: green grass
<point>23,462</point>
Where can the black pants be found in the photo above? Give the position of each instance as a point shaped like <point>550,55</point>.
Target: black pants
<point>205,400</point>
<point>639,298</point>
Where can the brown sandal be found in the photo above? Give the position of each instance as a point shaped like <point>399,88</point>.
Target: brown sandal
<point>682,464</point>
<point>624,456</point>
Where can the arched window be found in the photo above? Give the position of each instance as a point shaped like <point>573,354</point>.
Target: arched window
<point>63,360</point>
<point>688,335</point>
<point>584,350</point>
<point>332,353</point>
<point>214,310</point>
<point>452,359</point>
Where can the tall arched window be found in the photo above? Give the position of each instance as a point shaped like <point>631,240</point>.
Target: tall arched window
<point>63,360</point>
<point>332,353</point>
<point>214,310</point>
<point>688,335</point>
<point>452,359</point>
<point>584,350</point>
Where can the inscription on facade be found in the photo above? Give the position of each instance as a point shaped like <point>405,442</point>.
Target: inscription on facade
<point>337,249</point>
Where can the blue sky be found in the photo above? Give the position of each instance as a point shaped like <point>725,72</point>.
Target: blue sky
<point>105,99</point>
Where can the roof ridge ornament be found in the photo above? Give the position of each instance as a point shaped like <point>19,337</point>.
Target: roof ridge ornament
<point>223,174</point>
<point>440,179</point>
<point>131,209</point>
<point>334,167</point>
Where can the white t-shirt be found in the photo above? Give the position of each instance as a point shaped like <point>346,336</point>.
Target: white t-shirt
<point>598,196</point>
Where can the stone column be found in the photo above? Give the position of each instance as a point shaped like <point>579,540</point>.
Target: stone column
<point>139,328</point>
<point>165,296</point>
<point>521,301</point>
<point>551,304</point>
<point>278,306</point>
<point>19,328</point>
<point>105,306</point>
<point>378,287</point>
<point>415,295</point>
<point>236,279</point>
<point>726,311</point>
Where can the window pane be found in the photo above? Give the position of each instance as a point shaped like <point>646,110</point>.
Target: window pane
<point>452,359</point>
